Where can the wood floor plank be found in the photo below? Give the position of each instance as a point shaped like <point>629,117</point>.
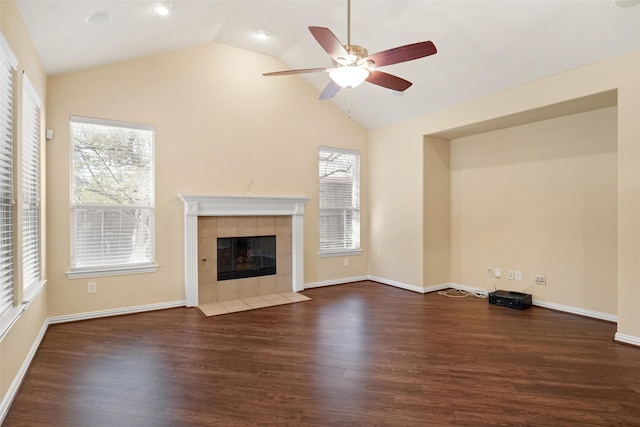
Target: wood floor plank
<point>359,354</point>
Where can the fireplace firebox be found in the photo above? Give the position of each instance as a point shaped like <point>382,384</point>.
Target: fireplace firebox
<point>242,257</point>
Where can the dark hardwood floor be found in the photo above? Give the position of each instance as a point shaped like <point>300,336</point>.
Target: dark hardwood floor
<point>359,354</point>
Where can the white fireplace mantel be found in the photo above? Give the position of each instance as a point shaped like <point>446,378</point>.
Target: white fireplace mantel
<point>195,206</point>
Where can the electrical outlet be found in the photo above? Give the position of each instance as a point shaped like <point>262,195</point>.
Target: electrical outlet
<point>518,275</point>
<point>510,275</point>
<point>540,279</point>
<point>91,287</point>
<point>497,272</point>
<point>346,262</point>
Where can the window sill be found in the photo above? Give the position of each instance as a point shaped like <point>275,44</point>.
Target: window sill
<point>32,291</point>
<point>341,252</point>
<point>78,273</point>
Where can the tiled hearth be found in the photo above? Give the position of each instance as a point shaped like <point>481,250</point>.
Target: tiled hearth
<point>251,303</point>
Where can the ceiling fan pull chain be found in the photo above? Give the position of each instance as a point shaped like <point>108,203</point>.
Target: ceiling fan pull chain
<point>349,103</point>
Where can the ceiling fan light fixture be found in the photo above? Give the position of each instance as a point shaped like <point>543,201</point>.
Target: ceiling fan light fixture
<point>262,34</point>
<point>162,9</point>
<point>349,77</point>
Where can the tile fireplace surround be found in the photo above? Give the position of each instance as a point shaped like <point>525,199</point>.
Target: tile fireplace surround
<point>228,206</point>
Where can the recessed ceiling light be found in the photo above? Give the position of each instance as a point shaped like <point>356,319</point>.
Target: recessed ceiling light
<point>162,9</point>
<point>98,17</point>
<point>262,34</point>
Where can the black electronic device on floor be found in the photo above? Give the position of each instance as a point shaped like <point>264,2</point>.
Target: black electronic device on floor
<point>511,299</point>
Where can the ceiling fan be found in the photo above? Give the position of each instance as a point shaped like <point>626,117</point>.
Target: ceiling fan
<point>353,64</point>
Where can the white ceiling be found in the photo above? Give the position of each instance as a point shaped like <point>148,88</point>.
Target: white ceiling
<point>483,46</point>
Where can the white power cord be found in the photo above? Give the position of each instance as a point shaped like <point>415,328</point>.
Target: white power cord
<point>461,293</point>
<point>454,293</point>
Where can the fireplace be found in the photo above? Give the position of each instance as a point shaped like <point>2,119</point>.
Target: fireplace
<point>243,257</point>
<point>197,206</point>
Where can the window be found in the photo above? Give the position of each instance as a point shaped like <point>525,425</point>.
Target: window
<point>339,201</point>
<point>31,106</point>
<point>8,64</point>
<point>112,206</point>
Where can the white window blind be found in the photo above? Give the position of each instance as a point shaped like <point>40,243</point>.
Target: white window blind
<point>339,174</point>
<point>8,65</point>
<point>31,107</point>
<point>112,203</point>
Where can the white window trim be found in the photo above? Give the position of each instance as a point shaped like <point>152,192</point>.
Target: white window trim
<point>116,270</point>
<point>329,253</point>
<point>10,315</point>
<point>78,273</point>
<point>30,91</point>
<point>28,87</point>
<point>342,252</point>
<point>8,53</point>
<point>113,123</point>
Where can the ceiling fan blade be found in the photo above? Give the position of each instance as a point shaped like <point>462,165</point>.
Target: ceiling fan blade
<point>389,81</point>
<point>329,42</point>
<point>302,71</point>
<point>330,91</point>
<point>403,53</point>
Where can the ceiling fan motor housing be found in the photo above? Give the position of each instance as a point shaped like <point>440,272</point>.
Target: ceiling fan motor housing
<point>356,54</point>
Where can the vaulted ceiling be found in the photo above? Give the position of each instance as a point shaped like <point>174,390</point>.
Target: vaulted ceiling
<point>483,46</point>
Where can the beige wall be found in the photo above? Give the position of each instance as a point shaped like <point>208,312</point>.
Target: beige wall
<point>221,127</point>
<point>20,340</point>
<point>396,223</point>
<point>396,202</point>
<point>437,211</point>
<point>539,198</point>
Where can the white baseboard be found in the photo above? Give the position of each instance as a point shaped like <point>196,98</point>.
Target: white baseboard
<point>575,310</point>
<point>393,283</point>
<point>627,339</point>
<point>397,284</point>
<point>407,286</point>
<point>342,281</point>
<point>382,280</point>
<point>7,400</point>
<point>115,312</point>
